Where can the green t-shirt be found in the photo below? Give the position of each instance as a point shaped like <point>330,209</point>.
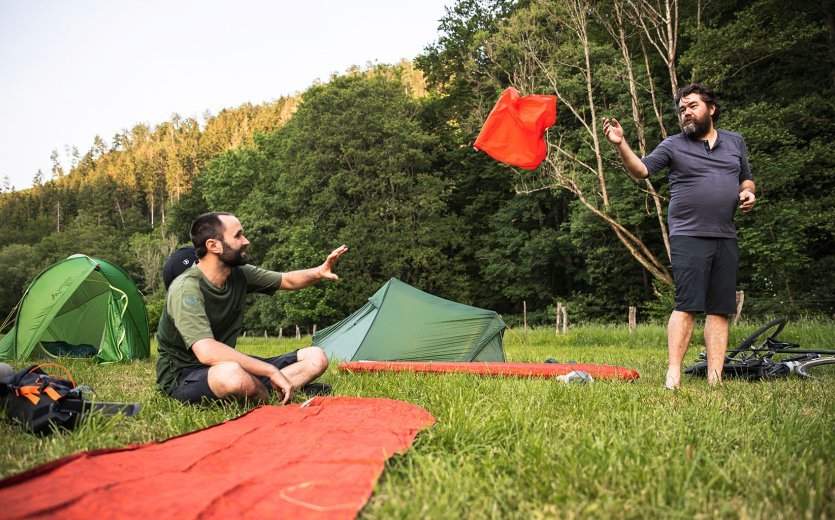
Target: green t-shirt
<point>196,309</point>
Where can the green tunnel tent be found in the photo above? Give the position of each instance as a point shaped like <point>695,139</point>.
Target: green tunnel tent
<point>401,323</point>
<point>80,306</point>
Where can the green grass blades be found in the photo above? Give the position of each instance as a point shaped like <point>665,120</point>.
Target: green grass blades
<point>536,448</point>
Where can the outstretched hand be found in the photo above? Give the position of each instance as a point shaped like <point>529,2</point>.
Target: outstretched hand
<point>613,131</point>
<point>326,269</point>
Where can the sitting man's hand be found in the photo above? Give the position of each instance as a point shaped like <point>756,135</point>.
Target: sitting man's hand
<point>326,269</point>
<point>282,384</point>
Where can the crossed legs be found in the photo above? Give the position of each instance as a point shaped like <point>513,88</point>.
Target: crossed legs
<point>679,332</point>
<point>231,380</point>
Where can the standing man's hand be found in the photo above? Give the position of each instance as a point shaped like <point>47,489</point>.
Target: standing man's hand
<point>282,384</point>
<point>326,269</point>
<point>747,200</point>
<point>614,134</point>
<point>613,131</point>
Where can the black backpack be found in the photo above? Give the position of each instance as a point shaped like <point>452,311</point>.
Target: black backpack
<point>40,402</point>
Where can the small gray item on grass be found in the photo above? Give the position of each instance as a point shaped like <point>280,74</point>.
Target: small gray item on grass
<point>576,376</point>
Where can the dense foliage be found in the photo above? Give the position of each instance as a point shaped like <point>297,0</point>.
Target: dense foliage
<point>380,159</point>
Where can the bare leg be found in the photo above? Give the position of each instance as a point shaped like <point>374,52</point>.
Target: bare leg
<point>716,342</point>
<point>679,332</point>
<point>231,380</point>
<point>312,363</point>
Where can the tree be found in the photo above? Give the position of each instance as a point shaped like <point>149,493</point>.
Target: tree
<point>574,62</point>
<point>150,252</point>
<point>372,189</point>
<point>773,68</point>
<point>19,268</point>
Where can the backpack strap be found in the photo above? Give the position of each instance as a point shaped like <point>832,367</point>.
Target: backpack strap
<point>30,392</point>
<point>62,367</point>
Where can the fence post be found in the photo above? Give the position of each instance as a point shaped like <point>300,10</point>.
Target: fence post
<point>265,333</point>
<point>740,299</point>
<point>314,329</point>
<point>564,320</point>
<point>633,318</point>
<point>298,332</point>
<point>280,333</point>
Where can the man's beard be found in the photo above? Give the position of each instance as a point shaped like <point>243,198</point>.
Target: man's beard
<point>233,257</point>
<point>696,128</point>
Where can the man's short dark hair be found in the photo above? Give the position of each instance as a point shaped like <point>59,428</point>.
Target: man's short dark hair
<point>704,92</point>
<point>206,227</point>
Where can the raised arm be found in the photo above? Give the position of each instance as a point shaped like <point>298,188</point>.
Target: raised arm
<point>614,134</point>
<point>295,280</point>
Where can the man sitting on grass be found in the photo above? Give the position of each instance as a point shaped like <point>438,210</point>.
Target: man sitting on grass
<point>203,317</point>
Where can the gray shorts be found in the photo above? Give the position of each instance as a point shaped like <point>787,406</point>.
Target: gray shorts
<point>705,270</point>
<point>193,385</point>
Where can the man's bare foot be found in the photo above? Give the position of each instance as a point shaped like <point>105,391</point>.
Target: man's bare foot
<point>673,379</point>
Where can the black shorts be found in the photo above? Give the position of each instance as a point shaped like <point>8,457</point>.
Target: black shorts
<point>705,271</point>
<point>193,385</point>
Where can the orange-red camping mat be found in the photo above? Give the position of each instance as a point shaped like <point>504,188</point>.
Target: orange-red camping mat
<point>317,461</point>
<point>492,368</point>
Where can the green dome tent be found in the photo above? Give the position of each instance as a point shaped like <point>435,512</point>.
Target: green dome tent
<point>80,306</point>
<point>401,323</point>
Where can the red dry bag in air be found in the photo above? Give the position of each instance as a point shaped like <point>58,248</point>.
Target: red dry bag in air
<point>514,132</point>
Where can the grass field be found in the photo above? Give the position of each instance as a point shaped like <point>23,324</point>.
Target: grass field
<point>534,448</point>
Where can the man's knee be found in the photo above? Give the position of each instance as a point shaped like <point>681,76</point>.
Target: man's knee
<point>682,318</point>
<point>315,358</point>
<point>230,379</point>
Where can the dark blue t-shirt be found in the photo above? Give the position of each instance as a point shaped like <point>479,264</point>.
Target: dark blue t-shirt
<point>704,182</point>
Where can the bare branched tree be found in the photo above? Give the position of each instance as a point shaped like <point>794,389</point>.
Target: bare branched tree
<point>616,26</point>
<point>569,71</point>
<point>659,21</point>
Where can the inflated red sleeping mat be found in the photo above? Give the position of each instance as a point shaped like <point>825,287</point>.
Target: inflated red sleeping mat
<point>492,368</point>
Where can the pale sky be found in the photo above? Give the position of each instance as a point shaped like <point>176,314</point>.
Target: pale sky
<point>72,69</point>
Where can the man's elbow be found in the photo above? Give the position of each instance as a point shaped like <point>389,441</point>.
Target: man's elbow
<point>287,285</point>
<point>205,352</point>
<point>639,172</point>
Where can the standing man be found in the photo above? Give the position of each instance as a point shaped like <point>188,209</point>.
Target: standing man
<point>203,317</point>
<point>709,175</point>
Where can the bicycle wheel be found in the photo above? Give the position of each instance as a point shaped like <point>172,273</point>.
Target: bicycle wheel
<point>751,370</point>
<point>748,348</point>
<point>822,369</point>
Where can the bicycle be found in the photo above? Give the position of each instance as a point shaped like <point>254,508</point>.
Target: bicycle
<point>754,359</point>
